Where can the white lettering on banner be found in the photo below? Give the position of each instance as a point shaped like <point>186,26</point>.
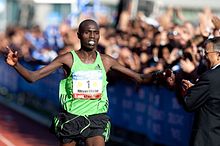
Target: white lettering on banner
<point>176,133</point>
<point>175,119</point>
<point>87,84</point>
<point>155,113</point>
<point>156,128</point>
<point>140,120</point>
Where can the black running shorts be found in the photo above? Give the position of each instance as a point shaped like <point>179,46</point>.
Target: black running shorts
<point>68,127</point>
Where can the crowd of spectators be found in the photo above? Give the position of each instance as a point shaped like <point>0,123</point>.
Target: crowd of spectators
<point>142,44</point>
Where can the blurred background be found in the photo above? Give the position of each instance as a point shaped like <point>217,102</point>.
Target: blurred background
<point>143,35</point>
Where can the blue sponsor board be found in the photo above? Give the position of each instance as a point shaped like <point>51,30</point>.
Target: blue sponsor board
<point>152,110</point>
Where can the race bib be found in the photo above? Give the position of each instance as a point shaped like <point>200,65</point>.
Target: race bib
<point>87,84</point>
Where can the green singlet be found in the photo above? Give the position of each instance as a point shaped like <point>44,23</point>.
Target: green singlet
<point>83,92</point>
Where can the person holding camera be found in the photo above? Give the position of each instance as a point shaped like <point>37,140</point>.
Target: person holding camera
<point>203,97</point>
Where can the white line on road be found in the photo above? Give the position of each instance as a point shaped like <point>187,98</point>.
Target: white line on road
<point>6,141</point>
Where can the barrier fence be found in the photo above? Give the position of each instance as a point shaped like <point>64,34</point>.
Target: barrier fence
<point>151,110</point>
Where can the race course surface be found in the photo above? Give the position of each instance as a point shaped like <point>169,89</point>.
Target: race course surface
<point>18,130</point>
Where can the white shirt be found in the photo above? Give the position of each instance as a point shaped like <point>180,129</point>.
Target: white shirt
<point>215,66</point>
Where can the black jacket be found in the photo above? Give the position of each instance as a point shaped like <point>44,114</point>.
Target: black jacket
<point>204,99</point>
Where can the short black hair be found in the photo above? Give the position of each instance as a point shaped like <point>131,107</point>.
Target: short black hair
<point>86,22</point>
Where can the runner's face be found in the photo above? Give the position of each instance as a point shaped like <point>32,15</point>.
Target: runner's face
<point>89,36</point>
